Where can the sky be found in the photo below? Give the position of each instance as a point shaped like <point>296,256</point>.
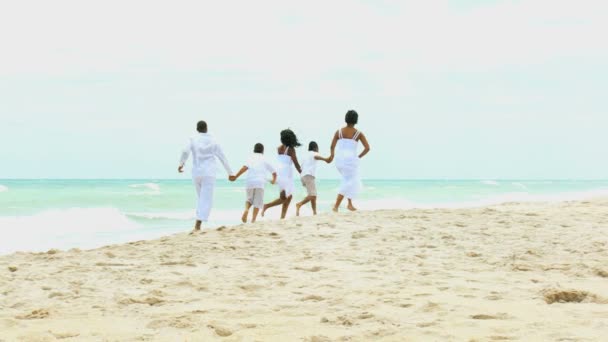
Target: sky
<point>445,89</point>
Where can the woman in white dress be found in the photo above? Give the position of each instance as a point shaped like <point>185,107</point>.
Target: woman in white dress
<point>344,149</point>
<point>287,161</point>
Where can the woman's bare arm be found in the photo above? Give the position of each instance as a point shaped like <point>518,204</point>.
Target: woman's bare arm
<point>365,145</point>
<point>292,153</point>
<point>333,148</point>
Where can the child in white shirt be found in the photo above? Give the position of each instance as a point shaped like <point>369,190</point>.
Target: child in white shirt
<point>309,170</point>
<point>257,166</point>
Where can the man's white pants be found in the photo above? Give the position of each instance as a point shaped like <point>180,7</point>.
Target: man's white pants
<point>204,192</point>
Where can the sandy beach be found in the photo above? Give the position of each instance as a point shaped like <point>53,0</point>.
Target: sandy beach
<point>528,272</point>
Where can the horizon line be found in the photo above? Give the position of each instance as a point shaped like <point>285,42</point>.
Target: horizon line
<point>326,179</point>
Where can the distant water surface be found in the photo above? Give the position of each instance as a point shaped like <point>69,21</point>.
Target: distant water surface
<point>37,215</point>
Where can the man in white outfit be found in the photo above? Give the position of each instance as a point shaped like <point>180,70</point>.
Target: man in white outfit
<point>204,151</point>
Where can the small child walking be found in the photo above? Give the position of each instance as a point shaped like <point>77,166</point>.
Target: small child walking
<point>309,170</point>
<point>257,167</point>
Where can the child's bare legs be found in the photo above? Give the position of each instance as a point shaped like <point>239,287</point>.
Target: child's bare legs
<point>351,207</point>
<point>285,206</point>
<point>338,201</point>
<point>313,203</point>
<point>274,203</point>
<point>246,212</point>
<point>255,214</point>
<point>301,203</point>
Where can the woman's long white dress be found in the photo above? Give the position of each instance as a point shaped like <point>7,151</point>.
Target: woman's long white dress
<point>347,162</point>
<point>285,173</point>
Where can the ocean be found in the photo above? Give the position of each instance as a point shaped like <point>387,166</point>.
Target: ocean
<point>37,215</point>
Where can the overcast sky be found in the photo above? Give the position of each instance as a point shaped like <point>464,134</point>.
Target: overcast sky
<point>444,89</point>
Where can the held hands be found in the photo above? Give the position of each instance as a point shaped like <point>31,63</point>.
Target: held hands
<point>180,169</point>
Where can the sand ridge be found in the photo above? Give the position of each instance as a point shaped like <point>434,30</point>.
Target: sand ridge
<point>510,272</point>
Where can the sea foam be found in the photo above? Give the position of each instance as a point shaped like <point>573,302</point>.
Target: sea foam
<point>154,189</point>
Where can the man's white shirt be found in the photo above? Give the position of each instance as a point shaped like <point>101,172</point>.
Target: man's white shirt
<point>204,150</point>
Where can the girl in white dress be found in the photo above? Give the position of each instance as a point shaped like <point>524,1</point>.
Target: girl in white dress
<point>344,149</point>
<point>287,160</point>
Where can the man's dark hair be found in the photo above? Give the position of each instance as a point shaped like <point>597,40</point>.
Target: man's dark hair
<point>258,148</point>
<point>351,117</point>
<point>201,127</point>
<point>312,146</point>
<point>289,139</point>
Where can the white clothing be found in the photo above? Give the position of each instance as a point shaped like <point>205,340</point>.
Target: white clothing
<point>257,167</point>
<point>347,162</point>
<point>204,151</point>
<point>255,197</point>
<point>285,173</point>
<point>309,164</point>
<point>204,193</point>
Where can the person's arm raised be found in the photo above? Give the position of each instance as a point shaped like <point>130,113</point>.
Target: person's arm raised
<point>366,149</point>
<point>333,147</point>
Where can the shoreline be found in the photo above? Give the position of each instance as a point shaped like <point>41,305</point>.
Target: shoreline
<point>518,271</point>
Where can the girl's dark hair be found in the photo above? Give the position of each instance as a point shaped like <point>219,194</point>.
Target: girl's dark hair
<point>352,117</point>
<point>258,148</point>
<point>289,139</point>
<point>312,146</point>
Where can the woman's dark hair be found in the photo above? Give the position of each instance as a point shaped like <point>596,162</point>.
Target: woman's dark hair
<point>258,148</point>
<point>352,117</point>
<point>312,146</point>
<point>289,139</point>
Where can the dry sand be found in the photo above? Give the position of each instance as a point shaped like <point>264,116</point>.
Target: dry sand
<point>528,272</point>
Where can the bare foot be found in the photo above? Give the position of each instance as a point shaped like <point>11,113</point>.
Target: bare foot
<point>298,206</point>
<point>244,217</point>
<point>195,231</point>
<point>351,208</point>
<point>264,210</point>
<point>335,209</point>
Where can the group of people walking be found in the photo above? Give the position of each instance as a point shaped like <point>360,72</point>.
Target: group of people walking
<point>344,150</point>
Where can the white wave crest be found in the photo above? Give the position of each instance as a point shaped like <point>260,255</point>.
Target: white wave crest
<point>64,228</point>
<point>149,186</point>
<point>3,188</point>
<point>490,182</point>
<point>520,185</point>
<point>72,220</point>
<point>178,215</point>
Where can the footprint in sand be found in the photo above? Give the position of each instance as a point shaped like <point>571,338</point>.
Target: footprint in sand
<point>601,273</point>
<point>36,314</point>
<point>152,301</point>
<point>220,331</point>
<point>182,322</point>
<point>312,298</point>
<point>311,269</point>
<point>63,335</point>
<point>486,317</point>
<point>571,296</point>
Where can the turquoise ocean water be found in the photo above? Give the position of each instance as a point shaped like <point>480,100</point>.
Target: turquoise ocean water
<point>36,215</point>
